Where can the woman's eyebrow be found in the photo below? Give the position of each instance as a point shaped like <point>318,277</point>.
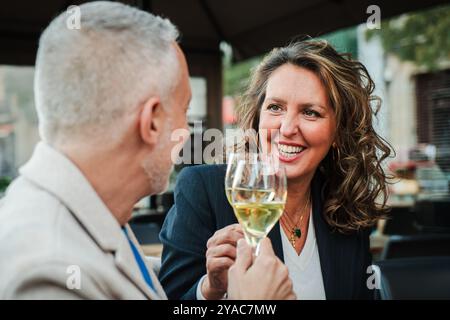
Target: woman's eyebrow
<point>275,99</point>
<point>310,105</point>
<point>302,105</point>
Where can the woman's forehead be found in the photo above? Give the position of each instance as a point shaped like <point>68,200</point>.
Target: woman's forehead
<point>290,82</point>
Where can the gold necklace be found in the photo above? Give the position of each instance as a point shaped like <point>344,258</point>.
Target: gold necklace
<point>296,231</point>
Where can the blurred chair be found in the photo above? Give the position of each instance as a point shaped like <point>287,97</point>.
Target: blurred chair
<point>433,215</point>
<point>162,203</point>
<point>401,221</point>
<point>420,245</point>
<point>148,218</point>
<point>414,278</point>
<point>146,233</point>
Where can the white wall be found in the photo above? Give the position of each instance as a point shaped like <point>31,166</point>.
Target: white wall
<point>394,81</point>
<point>371,54</point>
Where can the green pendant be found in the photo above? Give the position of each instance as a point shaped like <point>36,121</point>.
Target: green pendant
<point>298,232</point>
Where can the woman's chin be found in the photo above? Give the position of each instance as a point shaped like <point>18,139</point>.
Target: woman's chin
<point>299,173</point>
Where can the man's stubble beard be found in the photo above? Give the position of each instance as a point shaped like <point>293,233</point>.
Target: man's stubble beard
<point>156,167</point>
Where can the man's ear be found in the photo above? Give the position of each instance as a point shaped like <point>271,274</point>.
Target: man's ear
<point>151,120</point>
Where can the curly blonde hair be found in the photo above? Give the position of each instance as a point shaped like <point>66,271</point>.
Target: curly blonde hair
<point>355,189</point>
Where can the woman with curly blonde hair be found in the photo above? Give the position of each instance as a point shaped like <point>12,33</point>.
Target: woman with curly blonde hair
<point>320,105</point>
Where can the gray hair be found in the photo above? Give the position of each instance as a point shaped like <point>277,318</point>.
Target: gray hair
<point>87,79</point>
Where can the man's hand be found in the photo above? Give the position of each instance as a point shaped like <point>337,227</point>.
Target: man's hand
<point>220,255</point>
<point>266,279</point>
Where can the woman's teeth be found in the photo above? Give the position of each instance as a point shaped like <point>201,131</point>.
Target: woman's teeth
<point>289,151</point>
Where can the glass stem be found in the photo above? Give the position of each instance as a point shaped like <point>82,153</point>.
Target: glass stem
<point>257,247</point>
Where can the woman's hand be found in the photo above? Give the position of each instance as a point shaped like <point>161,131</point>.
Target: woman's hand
<point>220,256</point>
<point>266,279</point>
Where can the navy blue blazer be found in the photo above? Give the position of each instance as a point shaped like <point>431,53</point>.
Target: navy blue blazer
<point>201,208</point>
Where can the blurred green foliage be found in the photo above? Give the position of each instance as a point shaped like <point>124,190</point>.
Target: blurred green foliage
<point>236,75</point>
<point>4,183</point>
<point>421,37</point>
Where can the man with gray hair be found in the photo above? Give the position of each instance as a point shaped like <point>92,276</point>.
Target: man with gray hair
<point>108,97</point>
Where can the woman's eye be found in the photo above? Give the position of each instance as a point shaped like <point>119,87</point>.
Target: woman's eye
<point>273,107</point>
<point>311,113</point>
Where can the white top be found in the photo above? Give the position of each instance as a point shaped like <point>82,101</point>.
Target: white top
<point>304,269</point>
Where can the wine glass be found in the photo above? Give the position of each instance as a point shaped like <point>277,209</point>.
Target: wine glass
<point>232,161</point>
<point>258,195</point>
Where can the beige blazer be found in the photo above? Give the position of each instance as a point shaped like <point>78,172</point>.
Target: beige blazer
<point>58,240</point>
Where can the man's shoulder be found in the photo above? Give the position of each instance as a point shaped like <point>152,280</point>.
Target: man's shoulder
<point>37,226</point>
<point>26,205</point>
<point>24,202</point>
<point>40,241</point>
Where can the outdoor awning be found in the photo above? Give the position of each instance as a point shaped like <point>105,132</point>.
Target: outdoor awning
<point>252,27</point>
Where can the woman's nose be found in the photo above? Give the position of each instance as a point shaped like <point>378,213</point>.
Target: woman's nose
<point>289,126</point>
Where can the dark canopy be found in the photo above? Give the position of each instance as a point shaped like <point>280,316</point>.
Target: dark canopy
<point>252,27</point>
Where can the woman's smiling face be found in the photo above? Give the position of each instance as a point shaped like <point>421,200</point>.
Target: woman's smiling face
<point>297,108</point>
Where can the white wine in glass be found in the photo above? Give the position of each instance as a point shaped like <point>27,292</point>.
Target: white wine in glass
<point>258,196</point>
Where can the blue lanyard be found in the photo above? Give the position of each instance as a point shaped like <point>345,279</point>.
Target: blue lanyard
<point>140,262</point>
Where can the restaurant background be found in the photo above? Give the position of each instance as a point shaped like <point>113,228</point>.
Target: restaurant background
<point>409,60</point>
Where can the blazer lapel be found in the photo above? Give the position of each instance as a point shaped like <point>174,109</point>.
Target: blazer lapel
<point>275,237</point>
<point>126,262</point>
<point>325,243</point>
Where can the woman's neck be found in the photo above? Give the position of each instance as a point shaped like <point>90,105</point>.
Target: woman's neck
<point>298,195</point>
